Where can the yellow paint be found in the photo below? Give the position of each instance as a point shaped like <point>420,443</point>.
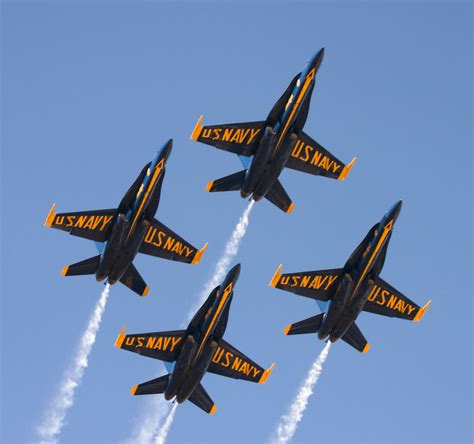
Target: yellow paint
<point>386,231</point>
<point>266,374</point>
<point>213,410</point>
<point>145,292</point>
<point>134,390</point>
<point>50,218</point>
<point>199,254</point>
<point>197,129</point>
<point>346,169</point>
<point>158,168</point>
<point>64,270</point>
<point>366,348</point>
<point>276,277</point>
<point>309,78</point>
<point>209,186</point>
<point>290,208</point>
<point>225,295</point>
<point>421,312</point>
<point>287,329</point>
<point>120,338</point>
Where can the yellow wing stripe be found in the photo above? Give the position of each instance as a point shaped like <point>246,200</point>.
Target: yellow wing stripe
<point>120,338</point>
<point>421,312</point>
<point>276,277</point>
<point>345,171</point>
<point>197,129</point>
<point>50,217</point>
<point>266,374</point>
<point>199,254</point>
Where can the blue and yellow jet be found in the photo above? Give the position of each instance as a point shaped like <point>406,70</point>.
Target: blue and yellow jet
<point>123,232</point>
<point>274,144</point>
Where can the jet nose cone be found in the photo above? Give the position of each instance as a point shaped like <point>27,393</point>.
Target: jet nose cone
<point>166,149</point>
<point>234,273</point>
<point>395,210</point>
<point>318,59</point>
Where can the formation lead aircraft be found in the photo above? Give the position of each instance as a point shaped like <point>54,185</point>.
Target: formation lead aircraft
<point>274,144</point>
<point>348,291</point>
<point>197,350</point>
<point>127,230</point>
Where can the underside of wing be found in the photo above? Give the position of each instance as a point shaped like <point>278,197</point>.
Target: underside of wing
<point>164,345</point>
<point>385,300</point>
<point>161,241</point>
<point>317,284</point>
<point>308,156</point>
<point>237,138</point>
<point>94,225</point>
<point>230,362</point>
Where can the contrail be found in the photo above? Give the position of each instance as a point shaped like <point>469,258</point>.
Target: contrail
<point>231,249</point>
<point>151,425</point>
<point>52,425</point>
<point>288,423</point>
<point>163,433</point>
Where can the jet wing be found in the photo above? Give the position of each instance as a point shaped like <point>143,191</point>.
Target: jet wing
<point>387,301</point>
<point>230,362</point>
<point>310,157</point>
<point>94,225</point>
<point>311,284</point>
<point>164,345</point>
<point>237,138</point>
<point>162,242</point>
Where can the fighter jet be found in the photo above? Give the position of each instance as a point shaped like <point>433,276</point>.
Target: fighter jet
<point>120,233</point>
<point>342,293</point>
<point>197,350</point>
<point>274,144</point>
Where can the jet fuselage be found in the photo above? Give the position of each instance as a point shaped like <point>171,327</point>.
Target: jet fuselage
<point>203,334</point>
<point>280,135</point>
<point>357,278</point>
<point>133,216</point>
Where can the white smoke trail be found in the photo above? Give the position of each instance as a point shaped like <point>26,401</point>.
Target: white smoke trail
<point>231,249</point>
<point>288,423</point>
<point>147,428</point>
<point>52,425</point>
<point>163,433</point>
<point>151,426</point>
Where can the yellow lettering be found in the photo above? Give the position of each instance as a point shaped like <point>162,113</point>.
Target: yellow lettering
<point>159,343</point>
<point>107,219</point>
<point>316,156</point>
<point>331,280</point>
<point>151,342</point>
<point>175,342</point>
<point>89,223</point>
<point>129,340</point>
<point>80,221</point>
<point>227,134</point>
<point>70,220</point>
<point>253,134</point>
<point>236,363</point>
<point>285,280</point>
<point>206,133</point>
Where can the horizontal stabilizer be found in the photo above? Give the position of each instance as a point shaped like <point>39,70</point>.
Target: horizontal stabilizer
<point>88,266</point>
<point>355,338</point>
<point>233,182</point>
<point>310,325</point>
<point>200,398</point>
<point>132,279</point>
<point>279,197</point>
<point>152,387</point>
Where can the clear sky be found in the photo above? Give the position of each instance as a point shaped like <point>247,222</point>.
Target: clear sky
<point>92,89</point>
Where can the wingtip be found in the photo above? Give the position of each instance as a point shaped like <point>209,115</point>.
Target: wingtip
<point>64,270</point>
<point>120,338</point>
<point>50,217</point>
<point>213,409</point>
<point>287,329</point>
<point>290,208</point>
<point>345,171</point>
<point>366,348</point>
<point>197,129</point>
<point>421,312</point>
<point>199,254</point>
<point>276,277</point>
<point>266,374</point>
<point>145,291</point>
<point>209,186</point>
<point>134,390</point>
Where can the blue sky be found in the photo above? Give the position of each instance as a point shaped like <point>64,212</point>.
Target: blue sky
<point>90,90</point>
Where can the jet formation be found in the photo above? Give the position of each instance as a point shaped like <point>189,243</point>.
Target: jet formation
<point>197,350</point>
<point>343,293</point>
<point>121,233</point>
<point>267,147</point>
